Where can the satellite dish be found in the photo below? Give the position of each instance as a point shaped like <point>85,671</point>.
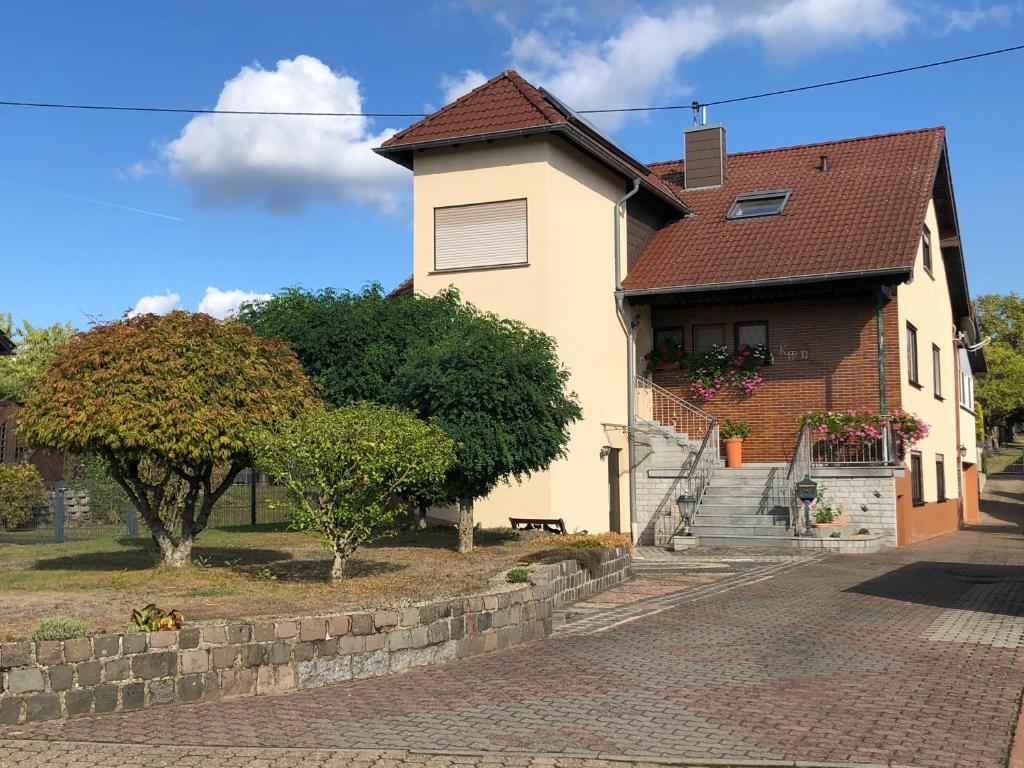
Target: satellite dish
<point>968,331</point>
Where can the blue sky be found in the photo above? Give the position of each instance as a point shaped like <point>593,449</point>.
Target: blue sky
<point>226,204</point>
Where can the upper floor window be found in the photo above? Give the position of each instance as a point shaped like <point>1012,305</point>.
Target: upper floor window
<point>480,236</point>
<point>749,205</point>
<point>706,337</point>
<point>926,248</point>
<point>750,335</point>
<point>937,371</point>
<point>967,389</point>
<point>912,355</point>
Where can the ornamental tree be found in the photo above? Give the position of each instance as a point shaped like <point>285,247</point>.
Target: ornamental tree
<point>170,404</point>
<point>496,386</point>
<point>344,469</point>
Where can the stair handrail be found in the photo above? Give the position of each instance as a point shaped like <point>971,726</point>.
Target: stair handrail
<point>702,467</point>
<point>681,415</point>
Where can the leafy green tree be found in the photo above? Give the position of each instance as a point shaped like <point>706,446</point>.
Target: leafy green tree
<point>1001,390</point>
<point>170,403</point>
<point>21,491</point>
<point>344,468</point>
<point>35,346</point>
<point>495,386</point>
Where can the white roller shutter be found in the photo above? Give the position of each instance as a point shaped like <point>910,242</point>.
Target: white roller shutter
<point>482,235</point>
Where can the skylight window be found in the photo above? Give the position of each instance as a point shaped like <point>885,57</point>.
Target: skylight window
<point>750,205</point>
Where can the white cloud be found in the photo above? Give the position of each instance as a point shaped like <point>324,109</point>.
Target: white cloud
<point>138,170</point>
<point>966,20</point>
<point>157,304</point>
<point>282,162</point>
<point>221,304</point>
<point>638,64</point>
<point>459,85</point>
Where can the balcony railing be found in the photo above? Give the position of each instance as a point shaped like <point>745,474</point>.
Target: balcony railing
<point>832,451</point>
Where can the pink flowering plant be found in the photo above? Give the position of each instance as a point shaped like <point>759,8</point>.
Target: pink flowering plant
<point>852,431</point>
<point>717,368</point>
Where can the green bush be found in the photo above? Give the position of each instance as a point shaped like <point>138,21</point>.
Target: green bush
<point>59,629</point>
<point>583,544</point>
<point>733,428</point>
<point>21,490</point>
<point>518,576</point>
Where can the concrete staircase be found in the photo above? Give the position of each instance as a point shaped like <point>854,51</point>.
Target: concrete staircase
<point>744,508</point>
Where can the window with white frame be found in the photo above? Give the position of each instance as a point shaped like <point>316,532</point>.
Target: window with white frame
<point>480,235</point>
<point>967,389</point>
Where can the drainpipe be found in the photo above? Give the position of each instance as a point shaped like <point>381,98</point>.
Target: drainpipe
<point>882,405</point>
<point>620,303</point>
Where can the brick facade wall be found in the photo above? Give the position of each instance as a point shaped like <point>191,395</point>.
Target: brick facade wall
<point>46,680</point>
<point>825,357</point>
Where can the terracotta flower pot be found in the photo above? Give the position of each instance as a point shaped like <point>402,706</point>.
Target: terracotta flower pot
<point>733,452</point>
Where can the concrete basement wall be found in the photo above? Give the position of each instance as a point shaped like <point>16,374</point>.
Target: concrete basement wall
<point>48,680</point>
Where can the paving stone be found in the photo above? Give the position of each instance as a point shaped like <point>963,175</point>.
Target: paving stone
<point>150,665</point>
<point>11,709</point>
<point>190,688</point>
<point>136,642</point>
<point>161,691</point>
<point>224,656</point>
<point>25,680</point>
<point>189,638</point>
<point>133,695</point>
<point>42,706</point>
<point>117,669</point>
<point>312,629</point>
<point>78,702</point>
<point>105,698</point>
<point>61,676</point>
<point>49,652</point>
<point>15,655</point>
<point>194,661</point>
<point>338,625</point>
<point>239,633</point>
<point>89,672</point>
<point>105,646</point>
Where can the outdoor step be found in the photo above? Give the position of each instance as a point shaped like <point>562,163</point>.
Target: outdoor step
<point>751,492</point>
<point>753,507</point>
<point>781,518</point>
<point>759,531</point>
<point>727,540</point>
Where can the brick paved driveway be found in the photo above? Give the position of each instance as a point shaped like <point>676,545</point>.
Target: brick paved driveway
<point>909,656</point>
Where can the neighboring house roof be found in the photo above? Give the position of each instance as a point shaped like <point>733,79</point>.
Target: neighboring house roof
<point>507,106</point>
<point>863,215</point>
<point>404,288</point>
<point>6,345</point>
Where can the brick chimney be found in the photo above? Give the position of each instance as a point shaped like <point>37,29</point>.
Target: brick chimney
<point>704,152</point>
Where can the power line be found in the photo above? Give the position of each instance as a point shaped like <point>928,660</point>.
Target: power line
<point>188,111</point>
<point>858,78</point>
<point>693,105</point>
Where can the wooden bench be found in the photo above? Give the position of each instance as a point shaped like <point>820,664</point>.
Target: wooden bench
<point>537,524</point>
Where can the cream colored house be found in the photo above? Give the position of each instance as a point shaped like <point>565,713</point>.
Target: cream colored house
<point>812,255</point>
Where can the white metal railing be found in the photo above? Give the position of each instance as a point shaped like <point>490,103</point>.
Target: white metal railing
<point>799,467</point>
<point>658,405</point>
<point>881,451</point>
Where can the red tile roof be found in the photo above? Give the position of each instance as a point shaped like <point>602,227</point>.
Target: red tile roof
<point>864,213</point>
<point>507,103</point>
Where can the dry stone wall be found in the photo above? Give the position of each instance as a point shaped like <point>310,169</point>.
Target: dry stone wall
<point>47,680</point>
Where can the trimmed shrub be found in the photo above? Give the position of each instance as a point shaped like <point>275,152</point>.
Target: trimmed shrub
<point>21,491</point>
<point>518,576</point>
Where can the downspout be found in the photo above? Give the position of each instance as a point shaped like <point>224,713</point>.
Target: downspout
<point>882,404</point>
<point>630,328</point>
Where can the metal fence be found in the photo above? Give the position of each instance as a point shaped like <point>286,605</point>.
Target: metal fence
<point>75,514</point>
<point>881,451</point>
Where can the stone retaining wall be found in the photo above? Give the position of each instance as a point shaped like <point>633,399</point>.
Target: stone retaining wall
<point>868,494</point>
<point>47,680</point>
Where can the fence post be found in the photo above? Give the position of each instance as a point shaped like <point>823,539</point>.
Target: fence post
<point>58,513</point>
<point>252,496</point>
<point>131,524</point>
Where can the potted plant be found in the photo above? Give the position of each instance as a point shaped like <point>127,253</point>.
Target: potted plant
<point>734,432</point>
<point>825,514</point>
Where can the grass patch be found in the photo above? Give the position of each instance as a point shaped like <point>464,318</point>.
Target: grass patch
<point>246,572</point>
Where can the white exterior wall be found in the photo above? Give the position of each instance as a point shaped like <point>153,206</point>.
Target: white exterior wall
<point>565,290</point>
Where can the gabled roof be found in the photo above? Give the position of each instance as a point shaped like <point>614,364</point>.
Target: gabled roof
<point>6,345</point>
<point>861,216</point>
<point>507,106</point>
